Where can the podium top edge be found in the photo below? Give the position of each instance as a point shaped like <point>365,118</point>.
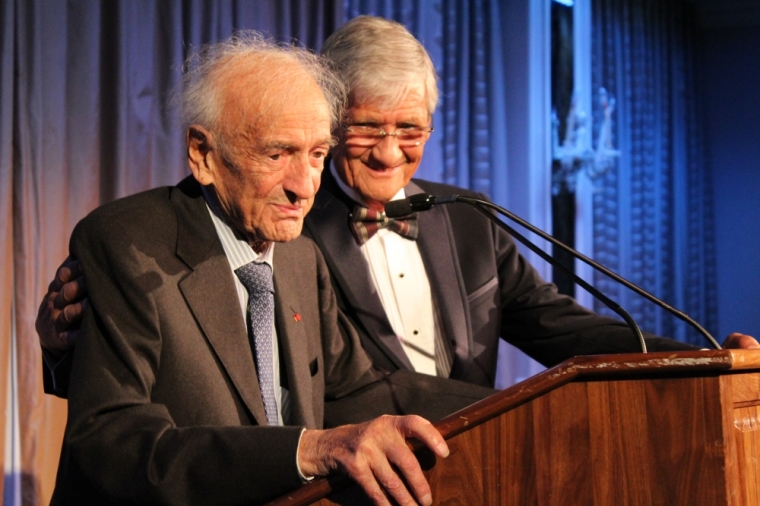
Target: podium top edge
<point>589,367</point>
<point>684,361</point>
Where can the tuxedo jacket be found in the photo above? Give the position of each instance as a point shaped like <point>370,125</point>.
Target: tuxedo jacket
<point>164,402</point>
<point>483,288</point>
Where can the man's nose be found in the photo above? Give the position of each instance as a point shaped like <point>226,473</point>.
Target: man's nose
<point>300,180</point>
<point>388,152</point>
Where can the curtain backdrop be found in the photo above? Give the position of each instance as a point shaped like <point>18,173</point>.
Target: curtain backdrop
<point>83,120</point>
<point>653,216</point>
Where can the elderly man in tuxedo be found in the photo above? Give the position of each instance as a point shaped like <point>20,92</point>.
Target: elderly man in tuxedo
<point>433,295</point>
<point>212,335</point>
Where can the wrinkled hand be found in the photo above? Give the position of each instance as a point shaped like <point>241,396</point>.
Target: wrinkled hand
<point>741,341</point>
<point>375,455</point>
<point>61,309</point>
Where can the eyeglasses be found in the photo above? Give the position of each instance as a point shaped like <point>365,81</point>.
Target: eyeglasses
<point>369,135</point>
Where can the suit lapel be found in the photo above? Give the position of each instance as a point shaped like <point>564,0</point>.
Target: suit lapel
<point>211,295</point>
<point>293,334</point>
<point>442,266</point>
<point>328,224</point>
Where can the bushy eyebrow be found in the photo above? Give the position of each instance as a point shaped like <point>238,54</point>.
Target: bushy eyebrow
<point>277,145</point>
<point>416,120</point>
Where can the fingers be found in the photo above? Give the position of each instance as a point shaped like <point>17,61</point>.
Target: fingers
<point>399,460</point>
<point>61,309</point>
<point>71,291</point>
<point>386,470</point>
<point>384,481</point>
<point>69,337</point>
<point>406,462</point>
<point>418,427</point>
<point>400,455</point>
<point>748,342</point>
<point>69,270</point>
<point>370,478</point>
<point>378,466</point>
<point>69,317</point>
<point>738,340</point>
<point>375,454</point>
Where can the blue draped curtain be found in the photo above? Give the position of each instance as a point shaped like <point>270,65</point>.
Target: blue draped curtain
<point>653,220</point>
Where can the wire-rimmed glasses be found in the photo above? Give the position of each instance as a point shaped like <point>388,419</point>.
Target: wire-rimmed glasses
<point>369,135</point>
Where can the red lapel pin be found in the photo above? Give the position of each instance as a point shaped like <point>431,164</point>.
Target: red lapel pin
<point>297,317</point>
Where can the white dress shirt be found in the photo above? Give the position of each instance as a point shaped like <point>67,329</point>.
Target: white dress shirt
<point>397,271</point>
<point>240,253</point>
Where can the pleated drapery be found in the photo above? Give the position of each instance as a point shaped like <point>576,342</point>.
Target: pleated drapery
<point>653,216</point>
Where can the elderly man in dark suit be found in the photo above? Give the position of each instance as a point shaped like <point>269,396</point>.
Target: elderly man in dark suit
<point>212,337</point>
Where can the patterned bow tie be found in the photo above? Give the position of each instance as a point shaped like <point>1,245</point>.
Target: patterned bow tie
<point>366,222</point>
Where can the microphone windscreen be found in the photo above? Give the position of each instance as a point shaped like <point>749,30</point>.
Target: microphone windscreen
<point>398,208</point>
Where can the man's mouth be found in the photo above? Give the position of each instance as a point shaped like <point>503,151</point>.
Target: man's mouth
<point>384,170</point>
<point>290,210</point>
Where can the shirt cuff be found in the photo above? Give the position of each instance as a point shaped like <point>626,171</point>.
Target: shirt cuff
<point>304,478</point>
<point>52,361</point>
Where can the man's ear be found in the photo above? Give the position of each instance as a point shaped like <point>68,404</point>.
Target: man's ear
<point>199,154</point>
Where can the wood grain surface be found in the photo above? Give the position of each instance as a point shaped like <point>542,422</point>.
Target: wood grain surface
<point>640,429</point>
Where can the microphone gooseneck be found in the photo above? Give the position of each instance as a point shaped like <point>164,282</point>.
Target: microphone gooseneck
<point>423,202</point>
<point>617,308</point>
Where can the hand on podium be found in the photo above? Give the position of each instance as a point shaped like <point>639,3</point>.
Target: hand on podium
<point>375,454</point>
<point>741,341</point>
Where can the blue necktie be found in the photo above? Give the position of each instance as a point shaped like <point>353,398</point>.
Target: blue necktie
<point>257,279</point>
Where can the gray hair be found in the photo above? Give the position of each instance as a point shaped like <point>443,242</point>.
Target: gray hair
<point>380,59</point>
<point>202,95</point>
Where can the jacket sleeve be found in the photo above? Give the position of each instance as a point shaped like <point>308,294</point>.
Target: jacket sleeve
<point>55,373</point>
<point>120,447</point>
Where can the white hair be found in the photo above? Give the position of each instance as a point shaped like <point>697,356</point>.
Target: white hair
<point>379,59</point>
<point>206,73</point>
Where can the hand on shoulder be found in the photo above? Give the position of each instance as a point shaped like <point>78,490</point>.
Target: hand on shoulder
<point>61,308</point>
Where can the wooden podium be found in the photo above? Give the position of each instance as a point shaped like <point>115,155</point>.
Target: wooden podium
<point>641,429</point>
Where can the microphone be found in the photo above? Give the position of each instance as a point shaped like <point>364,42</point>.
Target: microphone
<point>423,202</point>
<point>420,202</point>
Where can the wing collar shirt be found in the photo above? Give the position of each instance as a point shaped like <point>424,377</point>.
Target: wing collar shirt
<point>396,268</point>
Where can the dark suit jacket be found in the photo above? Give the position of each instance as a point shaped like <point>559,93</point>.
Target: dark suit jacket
<point>483,287</point>
<point>164,404</point>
